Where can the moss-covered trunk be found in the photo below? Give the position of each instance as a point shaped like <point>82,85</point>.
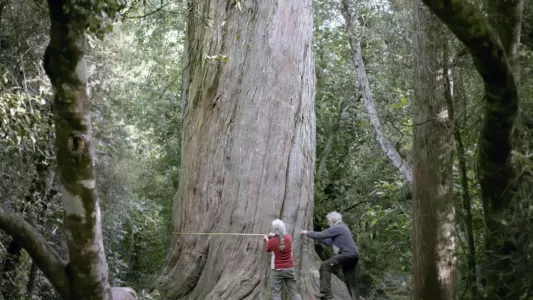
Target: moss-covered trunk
<point>496,172</point>
<point>65,65</point>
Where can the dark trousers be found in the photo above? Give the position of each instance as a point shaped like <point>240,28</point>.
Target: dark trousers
<point>347,264</point>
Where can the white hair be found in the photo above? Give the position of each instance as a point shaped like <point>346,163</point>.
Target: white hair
<point>279,227</point>
<point>334,216</point>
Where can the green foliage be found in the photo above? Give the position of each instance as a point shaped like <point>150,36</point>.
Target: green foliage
<point>134,87</point>
<point>385,226</point>
<point>97,16</point>
<point>359,181</point>
<point>137,128</point>
<point>21,121</point>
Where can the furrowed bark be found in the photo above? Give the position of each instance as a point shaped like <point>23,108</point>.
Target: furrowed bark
<point>65,65</point>
<point>493,48</point>
<point>364,88</point>
<point>42,254</point>
<point>434,246</point>
<point>248,149</point>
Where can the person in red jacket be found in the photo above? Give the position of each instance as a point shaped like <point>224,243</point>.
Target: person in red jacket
<point>279,244</point>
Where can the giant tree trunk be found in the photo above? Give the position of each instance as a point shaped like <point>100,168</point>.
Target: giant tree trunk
<point>494,50</point>
<point>248,148</point>
<point>434,261</point>
<point>364,88</point>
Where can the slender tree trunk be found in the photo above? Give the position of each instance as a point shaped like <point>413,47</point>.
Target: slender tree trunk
<point>65,65</point>
<point>461,157</point>
<point>248,149</point>
<point>32,280</point>
<point>467,210</point>
<point>434,258</point>
<point>364,89</point>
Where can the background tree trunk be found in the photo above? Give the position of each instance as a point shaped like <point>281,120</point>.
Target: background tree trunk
<point>494,51</point>
<point>32,280</point>
<point>248,148</point>
<point>449,79</point>
<point>434,258</point>
<point>364,88</point>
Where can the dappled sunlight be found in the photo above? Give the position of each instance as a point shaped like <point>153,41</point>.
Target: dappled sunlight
<point>447,263</point>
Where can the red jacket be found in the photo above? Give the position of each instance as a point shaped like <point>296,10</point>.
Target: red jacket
<point>280,259</point>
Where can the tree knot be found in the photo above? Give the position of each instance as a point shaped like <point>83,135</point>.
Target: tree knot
<point>76,144</point>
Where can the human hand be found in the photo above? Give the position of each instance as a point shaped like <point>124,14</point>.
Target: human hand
<point>270,235</point>
<point>265,237</point>
<point>304,231</point>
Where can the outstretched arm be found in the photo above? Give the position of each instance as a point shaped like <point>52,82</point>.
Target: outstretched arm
<point>326,234</point>
<point>268,247</point>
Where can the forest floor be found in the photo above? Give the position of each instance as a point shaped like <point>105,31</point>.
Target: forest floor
<point>394,286</point>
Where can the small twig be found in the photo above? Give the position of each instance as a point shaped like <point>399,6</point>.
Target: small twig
<point>159,9</point>
<point>355,205</point>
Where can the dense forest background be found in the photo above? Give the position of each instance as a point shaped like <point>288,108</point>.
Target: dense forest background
<point>367,60</point>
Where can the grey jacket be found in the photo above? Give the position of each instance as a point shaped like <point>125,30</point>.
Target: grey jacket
<point>338,235</point>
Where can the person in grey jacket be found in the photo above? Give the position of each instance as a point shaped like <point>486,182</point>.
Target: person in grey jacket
<point>338,235</point>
